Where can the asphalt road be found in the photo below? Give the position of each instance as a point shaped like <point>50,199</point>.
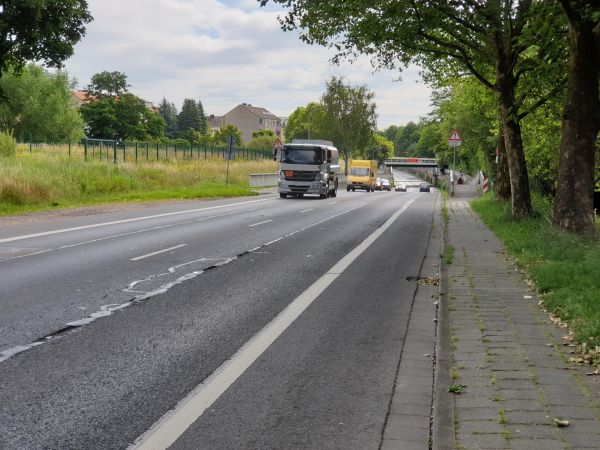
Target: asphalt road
<point>108,326</point>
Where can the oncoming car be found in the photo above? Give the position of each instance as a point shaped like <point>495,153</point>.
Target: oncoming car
<point>401,187</point>
<point>385,185</point>
<point>424,187</point>
<point>378,184</point>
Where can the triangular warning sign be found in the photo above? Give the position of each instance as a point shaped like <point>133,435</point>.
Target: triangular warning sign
<point>455,136</point>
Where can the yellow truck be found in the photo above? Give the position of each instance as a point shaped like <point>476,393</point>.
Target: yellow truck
<point>362,175</point>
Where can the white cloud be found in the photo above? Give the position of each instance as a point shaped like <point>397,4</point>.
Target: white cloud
<point>224,53</point>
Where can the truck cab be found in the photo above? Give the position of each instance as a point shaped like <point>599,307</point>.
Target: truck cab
<point>308,167</point>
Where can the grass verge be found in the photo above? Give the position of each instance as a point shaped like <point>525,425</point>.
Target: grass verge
<point>33,182</point>
<point>564,268</point>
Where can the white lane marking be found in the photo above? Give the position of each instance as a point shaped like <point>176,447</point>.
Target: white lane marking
<point>142,295</point>
<point>137,258</point>
<point>131,233</point>
<point>332,203</point>
<point>260,223</point>
<point>174,423</point>
<point>307,210</point>
<point>135,219</point>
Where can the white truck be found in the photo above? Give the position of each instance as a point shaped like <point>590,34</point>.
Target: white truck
<point>307,167</point>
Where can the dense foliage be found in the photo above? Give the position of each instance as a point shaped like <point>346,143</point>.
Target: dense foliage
<point>41,30</point>
<point>39,105</point>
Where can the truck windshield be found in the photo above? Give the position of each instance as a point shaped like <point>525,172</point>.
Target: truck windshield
<point>360,171</point>
<point>293,155</point>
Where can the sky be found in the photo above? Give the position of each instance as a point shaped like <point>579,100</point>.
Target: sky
<point>227,52</point>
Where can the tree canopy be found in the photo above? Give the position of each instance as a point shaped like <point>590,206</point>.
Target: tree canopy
<point>350,116</point>
<point>39,105</point>
<point>41,30</point>
<point>108,84</point>
<point>124,117</point>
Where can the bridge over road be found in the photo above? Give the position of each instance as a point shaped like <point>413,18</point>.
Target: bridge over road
<point>411,161</point>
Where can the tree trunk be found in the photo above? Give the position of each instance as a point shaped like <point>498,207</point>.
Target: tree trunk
<point>574,203</point>
<point>517,167</point>
<point>502,185</point>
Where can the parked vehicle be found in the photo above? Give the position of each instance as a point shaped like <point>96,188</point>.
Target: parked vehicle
<point>361,175</point>
<point>385,185</point>
<point>401,187</point>
<point>424,187</point>
<point>378,184</point>
<point>308,167</point>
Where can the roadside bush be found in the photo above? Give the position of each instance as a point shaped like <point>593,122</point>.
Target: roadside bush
<point>8,146</point>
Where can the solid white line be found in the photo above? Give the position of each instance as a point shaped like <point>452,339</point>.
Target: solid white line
<point>158,252</point>
<point>174,423</point>
<point>135,219</point>
<point>307,210</point>
<point>260,223</point>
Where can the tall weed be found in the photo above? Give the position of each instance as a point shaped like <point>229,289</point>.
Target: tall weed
<point>8,146</point>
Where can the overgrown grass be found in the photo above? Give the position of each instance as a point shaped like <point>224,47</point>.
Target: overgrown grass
<point>30,182</point>
<point>564,267</point>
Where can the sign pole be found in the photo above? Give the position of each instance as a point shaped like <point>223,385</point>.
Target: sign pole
<point>454,141</point>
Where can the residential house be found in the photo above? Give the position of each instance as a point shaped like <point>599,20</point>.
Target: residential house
<point>250,118</point>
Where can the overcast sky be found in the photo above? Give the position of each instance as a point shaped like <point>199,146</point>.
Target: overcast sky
<point>226,52</point>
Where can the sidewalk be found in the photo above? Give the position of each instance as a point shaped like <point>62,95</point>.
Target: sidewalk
<point>504,355</point>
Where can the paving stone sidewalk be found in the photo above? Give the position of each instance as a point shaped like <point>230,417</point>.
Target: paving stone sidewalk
<point>509,361</point>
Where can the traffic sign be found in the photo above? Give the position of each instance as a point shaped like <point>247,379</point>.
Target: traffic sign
<point>455,140</point>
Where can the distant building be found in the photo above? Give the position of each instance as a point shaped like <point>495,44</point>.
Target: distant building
<point>214,123</point>
<point>249,119</point>
<point>82,96</point>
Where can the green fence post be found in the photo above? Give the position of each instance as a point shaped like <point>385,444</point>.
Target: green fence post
<point>115,151</point>
<point>69,146</point>
<point>136,148</point>
<point>175,151</point>
<point>157,151</point>
<point>85,149</point>
<point>99,151</point>
<point>147,155</point>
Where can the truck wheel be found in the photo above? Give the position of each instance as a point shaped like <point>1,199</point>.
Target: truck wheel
<point>326,194</point>
<point>283,195</point>
<point>348,189</point>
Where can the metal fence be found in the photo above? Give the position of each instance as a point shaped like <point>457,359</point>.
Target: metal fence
<point>116,151</point>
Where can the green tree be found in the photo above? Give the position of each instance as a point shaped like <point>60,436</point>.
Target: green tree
<point>262,142</point>
<point>222,135</point>
<point>381,149</point>
<point>41,30</point>
<point>577,174</point>
<point>390,132</point>
<point>307,121</point>
<point>40,105</point>
<point>203,120</point>
<point>191,117</point>
<point>406,140</point>
<point>108,84</point>
<point>124,117</point>
<point>499,42</point>
<point>351,116</point>
<point>259,133</point>
<point>168,112</point>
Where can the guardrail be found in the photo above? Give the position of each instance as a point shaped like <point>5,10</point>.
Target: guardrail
<point>263,179</point>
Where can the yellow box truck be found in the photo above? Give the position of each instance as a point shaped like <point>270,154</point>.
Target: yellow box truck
<point>362,175</point>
